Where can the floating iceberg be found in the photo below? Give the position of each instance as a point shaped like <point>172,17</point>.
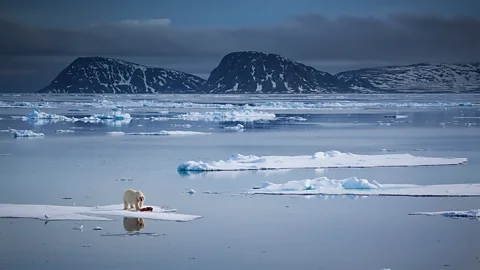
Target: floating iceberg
<point>230,115</point>
<point>238,127</point>
<point>473,213</point>
<point>165,132</point>
<point>26,134</point>
<point>56,213</point>
<point>363,187</point>
<point>330,159</point>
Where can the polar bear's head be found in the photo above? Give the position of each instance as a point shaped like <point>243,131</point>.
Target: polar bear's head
<point>140,196</point>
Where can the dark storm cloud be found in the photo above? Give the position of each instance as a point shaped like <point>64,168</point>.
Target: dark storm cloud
<point>406,38</point>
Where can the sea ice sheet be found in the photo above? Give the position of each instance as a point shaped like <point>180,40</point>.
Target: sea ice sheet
<point>56,213</point>
<point>364,187</point>
<point>330,159</point>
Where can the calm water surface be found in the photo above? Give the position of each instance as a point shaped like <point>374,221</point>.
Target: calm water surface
<point>238,231</point>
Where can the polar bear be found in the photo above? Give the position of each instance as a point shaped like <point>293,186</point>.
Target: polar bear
<point>133,197</point>
<point>133,224</point>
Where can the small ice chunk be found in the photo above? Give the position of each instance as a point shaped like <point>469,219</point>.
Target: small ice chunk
<point>27,134</point>
<point>116,133</point>
<point>238,127</point>
<point>191,191</point>
<point>87,245</point>
<point>78,228</point>
<point>64,131</point>
<point>98,228</point>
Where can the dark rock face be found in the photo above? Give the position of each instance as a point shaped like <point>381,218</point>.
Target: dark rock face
<point>256,72</point>
<point>107,75</point>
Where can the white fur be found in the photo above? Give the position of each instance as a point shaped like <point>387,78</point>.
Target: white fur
<point>133,198</point>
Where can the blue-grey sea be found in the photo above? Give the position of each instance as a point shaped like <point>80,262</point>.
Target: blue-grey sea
<point>238,231</point>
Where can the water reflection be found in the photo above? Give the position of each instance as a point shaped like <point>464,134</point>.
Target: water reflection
<point>133,224</point>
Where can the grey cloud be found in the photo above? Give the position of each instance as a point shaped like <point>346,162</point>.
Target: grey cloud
<point>309,37</point>
<point>332,45</point>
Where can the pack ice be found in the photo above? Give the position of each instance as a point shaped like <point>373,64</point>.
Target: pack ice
<point>230,115</point>
<point>330,159</point>
<point>364,187</point>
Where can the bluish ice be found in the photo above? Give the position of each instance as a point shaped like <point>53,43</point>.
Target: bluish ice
<point>91,166</point>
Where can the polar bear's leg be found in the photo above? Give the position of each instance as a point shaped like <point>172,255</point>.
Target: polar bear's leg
<point>137,206</point>
<point>125,204</point>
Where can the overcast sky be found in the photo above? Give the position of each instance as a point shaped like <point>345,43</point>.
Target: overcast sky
<point>40,38</point>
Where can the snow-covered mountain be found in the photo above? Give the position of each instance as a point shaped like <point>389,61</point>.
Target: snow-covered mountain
<point>107,75</point>
<point>419,77</point>
<point>256,72</point>
<point>260,73</point>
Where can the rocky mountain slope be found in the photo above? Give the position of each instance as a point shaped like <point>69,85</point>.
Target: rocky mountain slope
<point>419,77</point>
<point>256,72</point>
<point>107,75</point>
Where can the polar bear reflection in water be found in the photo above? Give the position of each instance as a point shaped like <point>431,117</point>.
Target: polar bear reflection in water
<point>133,224</point>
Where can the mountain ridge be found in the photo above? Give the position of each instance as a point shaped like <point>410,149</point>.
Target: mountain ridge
<point>253,72</point>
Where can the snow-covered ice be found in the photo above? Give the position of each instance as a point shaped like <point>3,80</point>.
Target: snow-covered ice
<point>230,115</point>
<point>56,212</point>
<point>238,127</point>
<point>330,159</point>
<point>364,187</point>
<point>473,213</point>
<point>27,134</point>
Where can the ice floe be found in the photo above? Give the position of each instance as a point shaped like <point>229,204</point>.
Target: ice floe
<point>472,214</point>
<point>64,131</point>
<point>364,187</point>
<point>238,127</point>
<point>330,159</point>
<point>26,134</point>
<point>101,213</point>
<point>116,115</point>
<point>40,118</point>
<point>116,133</point>
<point>230,115</point>
<point>166,132</point>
